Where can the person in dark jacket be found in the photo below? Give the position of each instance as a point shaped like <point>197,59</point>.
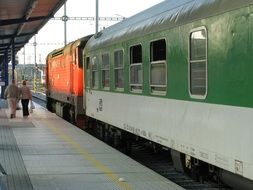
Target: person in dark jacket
<point>25,96</point>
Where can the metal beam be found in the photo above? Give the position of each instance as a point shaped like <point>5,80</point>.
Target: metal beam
<point>90,18</point>
<point>96,22</point>
<point>6,36</point>
<point>65,24</point>
<point>3,50</point>
<point>31,6</point>
<point>22,20</point>
<point>5,67</point>
<point>8,44</point>
<point>13,58</point>
<point>10,36</point>
<point>26,34</point>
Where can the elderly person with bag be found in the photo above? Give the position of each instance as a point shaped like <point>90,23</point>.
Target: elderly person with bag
<point>12,94</point>
<point>25,96</point>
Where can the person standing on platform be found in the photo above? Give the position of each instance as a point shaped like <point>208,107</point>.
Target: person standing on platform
<point>12,94</point>
<point>25,96</point>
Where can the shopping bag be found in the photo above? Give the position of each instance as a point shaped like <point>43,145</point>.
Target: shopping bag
<point>32,106</point>
<point>18,107</point>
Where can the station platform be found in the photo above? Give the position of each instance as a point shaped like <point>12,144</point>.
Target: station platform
<point>44,152</point>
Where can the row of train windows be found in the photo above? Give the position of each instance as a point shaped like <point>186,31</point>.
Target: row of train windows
<point>157,68</point>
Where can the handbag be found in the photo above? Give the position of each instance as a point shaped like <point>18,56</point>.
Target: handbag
<point>18,107</point>
<point>32,106</point>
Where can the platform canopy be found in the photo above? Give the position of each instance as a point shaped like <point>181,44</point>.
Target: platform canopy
<point>20,20</point>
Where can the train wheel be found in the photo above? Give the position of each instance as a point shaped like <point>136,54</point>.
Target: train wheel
<point>128,147</point>
<point>49,104</point>
<point>65,112</point>
<point>116,139</point>
<point>71,115</point>
<point>80,121</point>
<point>100,131</point>
<point>178,160</point>
<point>127,140</point>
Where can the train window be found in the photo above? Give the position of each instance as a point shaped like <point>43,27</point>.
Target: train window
<point>94,72</point>
<point>136,73</point>
<point>158,71</point>
<point>119,69</point>
<point>198,63</point>
<point>57,53</point>
<point>87,62</point>
<point>105,70</point>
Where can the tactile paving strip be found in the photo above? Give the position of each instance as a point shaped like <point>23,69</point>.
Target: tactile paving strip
<point>10,158</point>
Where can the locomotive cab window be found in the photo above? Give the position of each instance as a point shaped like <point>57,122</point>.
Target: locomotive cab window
<point>158,71</point>
<point>105,71</point>
<point>198,63</point>
<point>119,69</point>
<point>87,66</point>
<point>94,72</point>
<point>136,73</point>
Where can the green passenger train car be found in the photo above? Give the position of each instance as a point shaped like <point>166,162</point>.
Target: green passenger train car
<point>180,74</point>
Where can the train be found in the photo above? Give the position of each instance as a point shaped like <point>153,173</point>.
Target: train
<point>178,75</point>
<point>64,81</point>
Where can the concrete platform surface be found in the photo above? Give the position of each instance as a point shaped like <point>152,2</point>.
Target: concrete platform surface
<point>45,152</point>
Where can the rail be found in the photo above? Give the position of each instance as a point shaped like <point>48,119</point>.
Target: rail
<point>39,95</point>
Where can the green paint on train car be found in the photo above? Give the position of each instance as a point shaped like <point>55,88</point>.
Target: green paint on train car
<point>229,59</point>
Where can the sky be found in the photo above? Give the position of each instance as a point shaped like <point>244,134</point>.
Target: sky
<point>51,36</point>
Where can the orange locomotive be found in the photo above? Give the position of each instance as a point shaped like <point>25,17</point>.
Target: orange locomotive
<point>64,81</point>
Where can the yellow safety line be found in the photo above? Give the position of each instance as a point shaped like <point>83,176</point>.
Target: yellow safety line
<point>88,156</point>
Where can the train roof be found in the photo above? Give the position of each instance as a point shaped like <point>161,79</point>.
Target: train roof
<point>70,46</point>
<point>167,14</point>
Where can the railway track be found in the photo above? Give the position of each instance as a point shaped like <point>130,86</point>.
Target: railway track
<point>158,160</point>
<point>39,99</point>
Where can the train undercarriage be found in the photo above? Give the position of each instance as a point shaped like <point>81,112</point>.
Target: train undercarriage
<point>197,169</point>
<point>66,111</point>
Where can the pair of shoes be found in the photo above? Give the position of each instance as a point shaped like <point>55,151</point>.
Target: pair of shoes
<point>12,116</point>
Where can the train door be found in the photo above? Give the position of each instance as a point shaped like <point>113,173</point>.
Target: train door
<point>86,79</point>
<point>78,73</point>
<point>72,71</point>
